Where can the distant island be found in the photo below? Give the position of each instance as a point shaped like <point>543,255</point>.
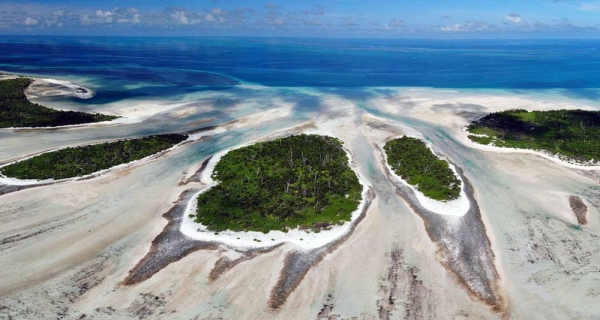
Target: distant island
<point>574,134</point>
<point>17,111</point>
<point>81,161</point>
<point>301,181</point>
<point>416,164</point>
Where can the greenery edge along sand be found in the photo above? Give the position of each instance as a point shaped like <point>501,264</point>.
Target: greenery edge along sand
<point>16,111</point>
<point>268,186</point>
<point>415,163</point>
<point>569,135</point>
<point>85,160</point>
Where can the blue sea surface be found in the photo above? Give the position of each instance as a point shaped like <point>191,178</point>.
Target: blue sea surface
<point>166,66</point>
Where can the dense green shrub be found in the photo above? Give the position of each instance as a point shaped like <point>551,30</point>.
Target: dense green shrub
<point>417,165</point>
<point>571,133</point>
<point>80,161</point>
<point>299,181</point>
<point>17,111</point>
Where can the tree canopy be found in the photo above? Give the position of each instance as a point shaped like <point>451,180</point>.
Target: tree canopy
<point>299,181</point>
<point>80,161</point>
<point>571,133</point>
<point>17,111</point>
<point>414,162</point>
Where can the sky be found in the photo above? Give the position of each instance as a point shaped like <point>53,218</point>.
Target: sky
<point>307,18</point>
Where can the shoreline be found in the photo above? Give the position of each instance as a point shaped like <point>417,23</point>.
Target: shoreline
<point>303,239</point>
<point>464,139</point>
<point>457,207</point>
<point>30,182</point>
<point>120,120</point>
<point>71,90</point>
<point>77,91</point>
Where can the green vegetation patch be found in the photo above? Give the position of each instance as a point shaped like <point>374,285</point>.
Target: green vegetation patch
<point>571,133</point>
<point>414,162</point>
<point>80,161</point>
<point>300,181</point>
<point>17,111</point>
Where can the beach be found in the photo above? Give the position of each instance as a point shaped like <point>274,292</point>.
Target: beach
<point>68,247</point>
<point>303,239</point>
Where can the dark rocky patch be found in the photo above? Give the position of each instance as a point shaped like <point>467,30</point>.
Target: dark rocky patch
<point>6,189</point>
<point>170,245</point>
<point>7,242</point>
<point>225,264</point>
<point>54,299</point>
<point>327,311</point>
<point>146,305</point>
<point>401,291</point>
<point>467,111</point>
<point>197,174</point>
<point>298,263</point>
<point>579,209</point>
<point>463,245</point>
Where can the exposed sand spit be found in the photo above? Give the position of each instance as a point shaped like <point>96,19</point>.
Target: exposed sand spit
<point>67,248</point>
<point>463,245</point>
<point>298,263</point>
<point>170,246</point>
<point>401,280</point>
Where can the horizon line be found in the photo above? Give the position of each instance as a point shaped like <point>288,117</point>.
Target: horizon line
<point>303,37</point>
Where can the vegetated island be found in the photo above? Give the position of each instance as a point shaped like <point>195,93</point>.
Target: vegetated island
<point>572,134</point>
<point>81,161</point>
<point>301,181</point>
<point>416,164</point>
<point>17,111</point>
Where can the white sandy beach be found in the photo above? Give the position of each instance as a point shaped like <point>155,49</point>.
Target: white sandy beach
<point>554,158</point>
<point>66,248</point>
<point>456,207</point>
<point>24,182</point>
<point>303,239</point>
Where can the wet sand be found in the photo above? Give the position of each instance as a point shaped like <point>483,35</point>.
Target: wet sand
<point>68,249</point>
<point>170,245</point>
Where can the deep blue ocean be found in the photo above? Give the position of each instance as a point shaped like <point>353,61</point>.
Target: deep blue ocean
<point>167,65</point>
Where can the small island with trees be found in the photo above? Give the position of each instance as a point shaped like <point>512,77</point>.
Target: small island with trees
<point>302,181</point>
<point>17,111</point>
<point>85,160</point>
<point>415,163</point>
<point>571,134</point>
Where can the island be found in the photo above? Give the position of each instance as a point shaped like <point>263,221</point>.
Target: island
<point>301,181</point>
<point>85,160</point>
<point>416,164</point>
<point>568,134</point>
<point>17,111</point>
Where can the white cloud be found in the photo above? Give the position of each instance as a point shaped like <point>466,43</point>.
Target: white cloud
<point>85,20</point>
<point>30,22</point>
<point>180,17</point>
<point>21,17</point>
<point>451,28</point>
<point>514,17</point>
<point>104,16</point>
<point>469,26</point>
